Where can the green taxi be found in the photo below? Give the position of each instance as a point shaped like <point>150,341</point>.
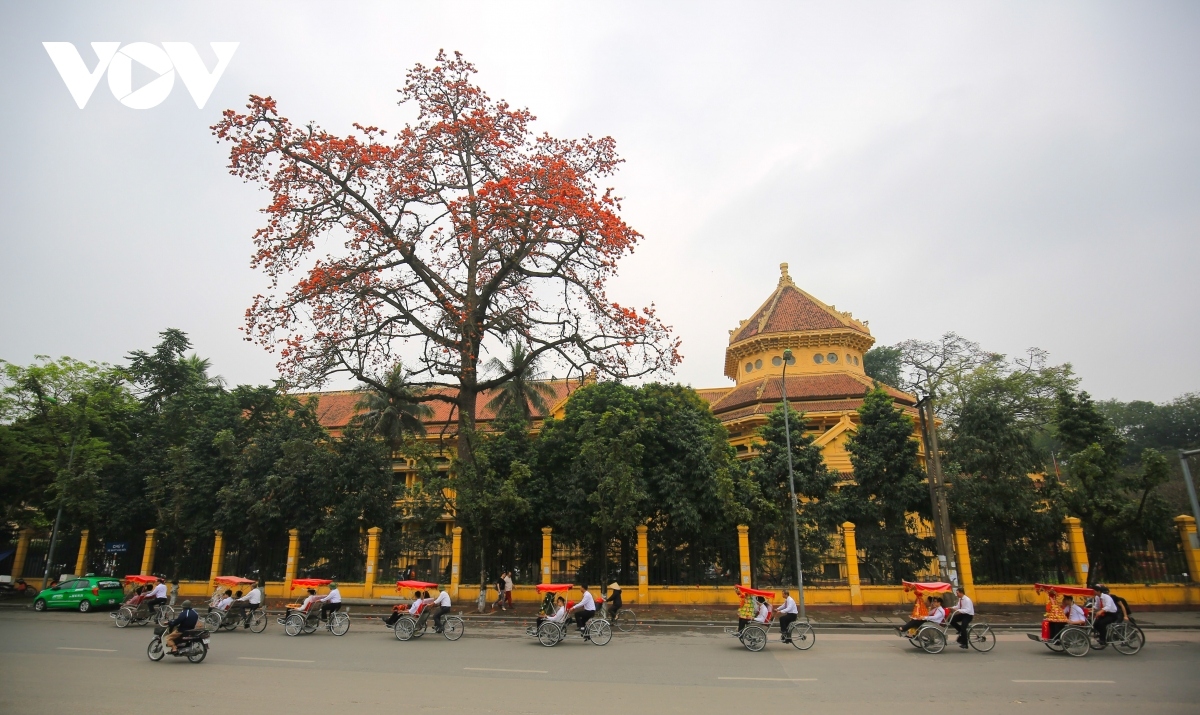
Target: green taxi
<point>82,593</point>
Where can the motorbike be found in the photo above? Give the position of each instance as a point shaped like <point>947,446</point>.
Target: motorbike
<point>193,645</point>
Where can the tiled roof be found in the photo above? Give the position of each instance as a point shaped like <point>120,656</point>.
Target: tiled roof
<point>801,388</point>
<point>336,409</point>
<point>790,309</point>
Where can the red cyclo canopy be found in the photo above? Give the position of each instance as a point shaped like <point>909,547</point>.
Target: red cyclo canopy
<point>141,579</point>
<point>414,584</point>
<point>233,580</point>
<point>311,582</point>
<point>554,587</point>
<point>755,592</point>
<point>1064,590</point>
<point>927,586</point>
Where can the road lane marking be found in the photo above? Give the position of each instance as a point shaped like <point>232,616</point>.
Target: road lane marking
<point>1064,681</point>
<point>785,680</point>
<point>507,670</point>
<point>93,650</point>
<point>276,660</point>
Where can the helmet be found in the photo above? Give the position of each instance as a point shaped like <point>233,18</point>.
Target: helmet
<point>186,604</point>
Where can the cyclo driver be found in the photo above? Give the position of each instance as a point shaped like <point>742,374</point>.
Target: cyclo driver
<point>439,608</point>
<point>185,621</point>
<point>584,610</point>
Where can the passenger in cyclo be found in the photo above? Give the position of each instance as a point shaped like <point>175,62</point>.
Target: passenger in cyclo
<point>746,609</point>
<point>305,606</point>
<point>1106,613</point>
<point>439,607</point>
<point>225,602</point>
<point>1060,615</point>
<point>935,613</point>
<point>787,615</point>
<point>558,615</point>
<point>331,602</point>
<point>413,609</point>
<point>584,610</point>
<point>964,613</point>
<point>762,612</point>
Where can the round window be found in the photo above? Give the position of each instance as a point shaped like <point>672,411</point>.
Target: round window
<point>758,364</point>
<point>776,361</point>
<point>855,359</point>
<point>831,357</point>
<point>849,359</point>
<point>818,358</point>
<point>749,366</point>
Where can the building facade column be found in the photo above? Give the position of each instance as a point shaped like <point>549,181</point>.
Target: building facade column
<point>18,568</point>
<point>372,561</point>
<point>148,553</point>
<point>744,554</point>
<point>81,560</point>
<point>293,561</point>
<point>1078,549</point>
<point>850,545</point>
<point>966,578</point>
<point>547,552</point>
<point>455,560</point>
<point>218,559</point>
<point>1186,525</point>
<point>643,565</point>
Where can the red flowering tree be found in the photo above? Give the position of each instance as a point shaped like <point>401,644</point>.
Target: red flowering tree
<point>460,230</point>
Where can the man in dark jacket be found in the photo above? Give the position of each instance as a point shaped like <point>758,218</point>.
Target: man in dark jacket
<point>185,621</point>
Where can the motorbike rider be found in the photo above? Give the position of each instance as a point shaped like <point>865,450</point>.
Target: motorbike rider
<point>185,621</point>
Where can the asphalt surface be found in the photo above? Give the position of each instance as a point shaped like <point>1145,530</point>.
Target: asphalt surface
<point>71,662</point>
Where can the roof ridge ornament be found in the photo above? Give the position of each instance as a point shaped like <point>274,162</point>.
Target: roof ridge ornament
<point>784,278</point>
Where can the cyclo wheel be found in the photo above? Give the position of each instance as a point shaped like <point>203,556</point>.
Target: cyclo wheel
<point>258,621</point>
<point>1075,641</point>
<point>1126,639</point>
<point>599,632</point>
<point>124,617</point>
<point>212,621</point>
<point>754,638</point>
<point>310,625</point>
<point>932,640</point>
<point>1094,640</point>
<point>802,636</point>
<point>339,623</point>
<point>404,628</point>
<point>625,620</point>
<point>452,628</point>
<point>197,652</point>
<point>230,623</point>
<point>155,651</point>
<point>981,638</point>
<point>549,634</point>
<point>294,624</point>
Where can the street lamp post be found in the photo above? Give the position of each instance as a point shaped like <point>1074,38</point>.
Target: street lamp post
<point>787,432</point>
<point>1187,478</point>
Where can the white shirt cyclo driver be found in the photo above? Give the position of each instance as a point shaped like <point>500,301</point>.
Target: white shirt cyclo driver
<point>254,598</point>
<point>965,606</point>
<point>334,596</point>
<point>587,603</point>
<point>443,600</point>
<point>1107,604</point>
<point>789,606</point>
<point>160,591</point>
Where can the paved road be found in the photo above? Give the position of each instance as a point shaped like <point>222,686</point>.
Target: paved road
<point>69,662</point>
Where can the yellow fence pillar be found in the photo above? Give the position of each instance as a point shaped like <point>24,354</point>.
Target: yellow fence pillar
<point>547,552</point>
<point>81,560</point>
<point>372,561</point>
<point>18,568</point>
<point>1191,546</point>
<point>455,560</point>
<point>293,561</point>
<point>744,553</point>
<point>643,566</point>
<point>965,577</point>
<point>851,547</point>
<point>218,559</point>
<point>1078,549</point>
<point>148,553</point>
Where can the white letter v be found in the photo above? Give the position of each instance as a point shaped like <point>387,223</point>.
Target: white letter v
<point>196,77</point>
<point>80,82</point>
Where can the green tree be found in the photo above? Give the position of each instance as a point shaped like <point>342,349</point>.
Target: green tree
<point>770,500</point>
<point>884,363</point>
<point>521,390</point>
<point>888,490</point>
<point>392,410</point>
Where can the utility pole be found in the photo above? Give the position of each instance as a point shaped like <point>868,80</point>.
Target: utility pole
<point>1187,478</point>
<point>787,431</point>
<point>942,532</point>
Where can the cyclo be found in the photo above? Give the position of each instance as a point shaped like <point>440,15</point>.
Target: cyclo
<point>755,634</point>
<point>550,634</point>
<point>136,610</point>
<point>406,627</point>
<point>295,620</point>
<point>931,637</point>
<point>1078,639</point>
<point>231,619</point>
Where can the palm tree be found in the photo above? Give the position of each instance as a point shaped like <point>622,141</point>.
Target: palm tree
<point>393,411</point>
<point>521,390</point>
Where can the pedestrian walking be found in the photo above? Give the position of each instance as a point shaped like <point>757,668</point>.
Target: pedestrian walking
<point>508,588</point>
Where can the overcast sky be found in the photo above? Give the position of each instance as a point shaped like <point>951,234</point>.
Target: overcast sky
<point>1026,174</point>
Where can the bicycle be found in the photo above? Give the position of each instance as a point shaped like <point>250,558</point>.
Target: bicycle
<point>406,627</point>
<point>296,622</point>
<point>624,619</point>
<point>931,637</point>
